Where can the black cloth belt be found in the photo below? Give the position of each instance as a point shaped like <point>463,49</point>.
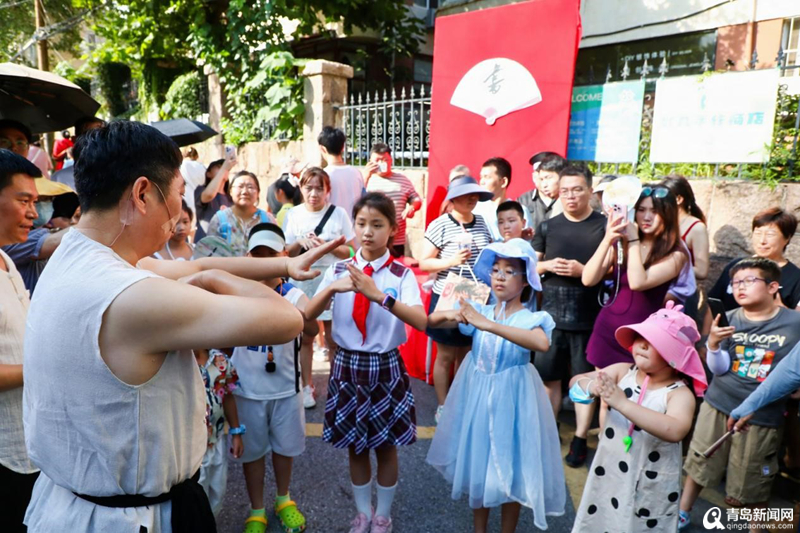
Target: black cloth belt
<point>191,512</point>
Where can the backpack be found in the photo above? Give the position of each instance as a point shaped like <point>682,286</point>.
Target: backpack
<point>225,224</point>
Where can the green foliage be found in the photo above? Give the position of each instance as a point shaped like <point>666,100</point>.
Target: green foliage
<point>18,25</point>
<point>183,97</point>
<point>239,40</point>
<point>269,103</point>
<point>114,84</point>
<point>67,71</point>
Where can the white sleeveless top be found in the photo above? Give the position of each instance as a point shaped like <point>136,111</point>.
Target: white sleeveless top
<point>85,429</point>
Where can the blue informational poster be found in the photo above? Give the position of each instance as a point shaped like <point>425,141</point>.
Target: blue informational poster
<point>605,122</point>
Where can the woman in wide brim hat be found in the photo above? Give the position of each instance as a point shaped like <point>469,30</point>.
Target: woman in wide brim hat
<point>452,244</point>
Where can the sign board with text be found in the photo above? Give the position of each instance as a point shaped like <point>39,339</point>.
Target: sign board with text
<point>724,118</point>
<point>605,122</point>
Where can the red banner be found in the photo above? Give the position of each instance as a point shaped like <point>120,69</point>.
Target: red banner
<point>502,86</point>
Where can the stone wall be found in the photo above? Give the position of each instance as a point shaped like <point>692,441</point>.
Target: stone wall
<point>729,207</point>
<point>264,159</point>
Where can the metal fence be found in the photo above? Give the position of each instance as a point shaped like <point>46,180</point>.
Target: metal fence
<point>783,158</point>
<point>403,121</point>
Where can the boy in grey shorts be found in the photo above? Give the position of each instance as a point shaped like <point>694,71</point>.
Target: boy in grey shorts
<point>741,356</point>
<point>270,402</point>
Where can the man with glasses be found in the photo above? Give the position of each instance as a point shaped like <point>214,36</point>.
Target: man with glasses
<point>563,245</point>
<point>741,356</point>
<point>15,136</point>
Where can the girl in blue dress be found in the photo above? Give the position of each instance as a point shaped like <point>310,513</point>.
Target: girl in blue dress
<point>497,440</point>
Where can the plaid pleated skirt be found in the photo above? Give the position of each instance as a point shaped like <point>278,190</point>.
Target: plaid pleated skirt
<point>369,403</point>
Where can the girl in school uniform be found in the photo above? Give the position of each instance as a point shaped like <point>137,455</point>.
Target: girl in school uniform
<point>370,405</point>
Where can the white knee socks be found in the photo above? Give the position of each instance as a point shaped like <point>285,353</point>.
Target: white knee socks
<point>385,498</point>
<point>362,494</point>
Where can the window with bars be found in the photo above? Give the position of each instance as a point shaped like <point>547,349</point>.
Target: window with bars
<point>791,46</point>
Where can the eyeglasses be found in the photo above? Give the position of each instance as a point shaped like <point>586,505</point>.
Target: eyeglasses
<point>504,274</point>
<point>760,234</point>
<point>575,191</point>
<point>655,192</point>
<point>746,282</point>
<point>246,187</point>
<point>8,144</point>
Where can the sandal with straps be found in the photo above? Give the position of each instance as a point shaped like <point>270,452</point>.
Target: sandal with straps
<point>291,519</point>
<point>255,524</point>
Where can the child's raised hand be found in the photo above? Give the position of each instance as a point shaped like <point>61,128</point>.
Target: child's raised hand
<point>237,446</point>
<point>364,284</point>
<point>717,334</point>
<point>473,317</point>
<point>607,389</point>
<point>343,284</point>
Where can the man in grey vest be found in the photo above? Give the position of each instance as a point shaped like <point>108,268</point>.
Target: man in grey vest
<point>114,407</point>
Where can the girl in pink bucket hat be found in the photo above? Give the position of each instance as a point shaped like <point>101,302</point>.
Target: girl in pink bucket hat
<point>634,480</point>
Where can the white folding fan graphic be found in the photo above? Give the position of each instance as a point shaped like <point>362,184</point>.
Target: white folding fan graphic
<point>496,87</point>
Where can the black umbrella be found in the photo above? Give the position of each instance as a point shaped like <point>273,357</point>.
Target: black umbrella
<point>41,100</point>
<point>184,131</point>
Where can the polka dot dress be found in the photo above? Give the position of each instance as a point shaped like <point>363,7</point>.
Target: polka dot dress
<point>639,490</point>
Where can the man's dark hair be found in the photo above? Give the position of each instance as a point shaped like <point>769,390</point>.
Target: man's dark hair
<point>541,156</point>
<point>511,205</point>
<point>266,226</point>
<point>12,164</point>
<point>65,205</point>
<point>83,123</point>
<point>768,268</point>
<point>19,126</point>
<point>552,163</point>
<point>577,170</point>
<point>110,159</point>
<point>380,148</point>
<point>332,139</point>
<point>501,166</point>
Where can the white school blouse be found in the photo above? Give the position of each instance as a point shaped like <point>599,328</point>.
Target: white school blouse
<point>385,332</point>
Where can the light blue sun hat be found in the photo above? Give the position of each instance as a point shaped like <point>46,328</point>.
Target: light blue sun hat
<point>513,249</point>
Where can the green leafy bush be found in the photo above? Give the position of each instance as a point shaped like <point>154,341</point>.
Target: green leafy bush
<point>183,97</point>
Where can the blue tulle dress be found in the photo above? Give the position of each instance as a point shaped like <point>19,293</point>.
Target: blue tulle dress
<point>497,440</point>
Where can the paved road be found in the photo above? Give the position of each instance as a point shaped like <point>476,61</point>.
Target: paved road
<point>321,484</point>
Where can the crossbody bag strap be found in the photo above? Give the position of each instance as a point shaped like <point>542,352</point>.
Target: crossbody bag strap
<point>325,217</point>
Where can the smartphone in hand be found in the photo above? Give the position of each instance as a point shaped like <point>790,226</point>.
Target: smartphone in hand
<point>715,304</point>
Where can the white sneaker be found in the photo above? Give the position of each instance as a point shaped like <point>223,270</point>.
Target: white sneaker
<point>308,397</point>
<point>438,414</point>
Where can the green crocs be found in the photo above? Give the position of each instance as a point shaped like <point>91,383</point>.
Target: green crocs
<point>255,524</point>
<point>291,519</point>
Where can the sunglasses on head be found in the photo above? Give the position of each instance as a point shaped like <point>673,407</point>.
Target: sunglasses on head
<point>655,192</point>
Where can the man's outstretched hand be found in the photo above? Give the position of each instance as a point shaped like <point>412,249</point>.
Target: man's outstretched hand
<point>299,267</point>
